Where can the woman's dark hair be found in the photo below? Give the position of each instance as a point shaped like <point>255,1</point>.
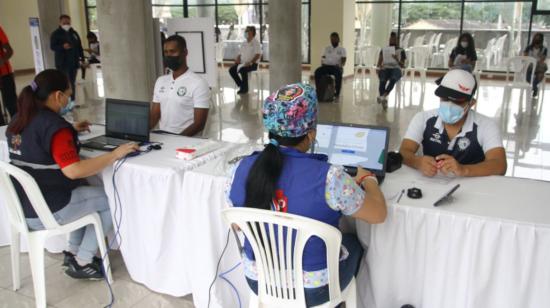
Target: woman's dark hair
<point>264,174</point>
<point>538,34</point>
<point>91,35</point>
<point>31,100</point>
<point>251,29</point>
<point>471,49</point>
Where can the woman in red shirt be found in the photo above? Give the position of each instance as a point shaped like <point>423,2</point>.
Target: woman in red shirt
<point>45,145</point>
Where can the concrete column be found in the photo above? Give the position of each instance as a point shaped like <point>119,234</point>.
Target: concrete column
<point>49,12</point>
<point>329,16</point>
<point>285,41</point>
<point>127,48</point>
<point>381,24</point>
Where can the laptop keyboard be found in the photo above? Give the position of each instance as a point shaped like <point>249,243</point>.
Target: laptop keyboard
<point>110,140</point>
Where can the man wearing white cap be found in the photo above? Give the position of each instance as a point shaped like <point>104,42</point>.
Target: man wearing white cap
<point>454,139</point>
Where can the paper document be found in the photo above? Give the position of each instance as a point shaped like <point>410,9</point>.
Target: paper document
<point>388,53</point>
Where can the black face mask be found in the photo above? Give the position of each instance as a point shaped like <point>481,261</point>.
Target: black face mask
<point>334,45</point>
<point>173,62</point>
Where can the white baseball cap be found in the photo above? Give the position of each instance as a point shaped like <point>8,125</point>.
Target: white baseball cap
<point>457,85</point>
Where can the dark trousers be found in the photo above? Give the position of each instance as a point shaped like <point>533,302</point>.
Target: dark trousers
<point>388,78</point>
<point>242,81</point>
<point>335,71</point>
<point>9,96</point>
<point>348,268</point>
<point>71,74</point>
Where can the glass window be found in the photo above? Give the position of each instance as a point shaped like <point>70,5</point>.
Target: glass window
<point>92,19</point>
<point>433,25</point>
<point>232,21</point>
<point>541,23</point>
<point>167,2</point>
<point>500,30</point>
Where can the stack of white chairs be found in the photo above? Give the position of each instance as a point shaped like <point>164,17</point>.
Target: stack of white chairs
<point>488,54</point>
<point>441,58</point>
<point>369,60</point>
<point>405,42</point>
<point>498,50</point>
<point>516,78</point>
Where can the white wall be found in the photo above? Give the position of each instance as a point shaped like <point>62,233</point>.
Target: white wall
<point>14,19</point>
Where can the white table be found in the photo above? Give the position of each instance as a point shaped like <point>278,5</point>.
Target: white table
<point>490,247</point>
<point>171,228</point>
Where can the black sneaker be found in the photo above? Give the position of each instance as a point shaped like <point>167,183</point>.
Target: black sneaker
<point>68,256</point>
<point>90,271</point>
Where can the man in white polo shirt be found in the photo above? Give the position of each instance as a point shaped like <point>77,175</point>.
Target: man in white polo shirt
<point>181,98</point>
<point>332,63</point>
<point>454,138</point>
<point>247,60</point>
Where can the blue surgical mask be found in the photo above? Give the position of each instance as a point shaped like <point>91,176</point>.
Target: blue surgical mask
<point>66,109</point>
<point>450,113</point>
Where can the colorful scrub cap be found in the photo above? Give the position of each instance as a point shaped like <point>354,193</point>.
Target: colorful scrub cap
<point>291,111</point>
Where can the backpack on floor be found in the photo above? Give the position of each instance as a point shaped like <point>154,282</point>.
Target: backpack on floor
<point>326,89</point>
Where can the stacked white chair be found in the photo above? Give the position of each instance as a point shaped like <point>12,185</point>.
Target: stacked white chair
<point>498,50</point>
<point>280,272</point>
<point>516,78</point>
<point>36,239</point>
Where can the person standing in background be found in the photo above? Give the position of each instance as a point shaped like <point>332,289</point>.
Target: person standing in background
<point>7,81</point>
<point>67,46</point>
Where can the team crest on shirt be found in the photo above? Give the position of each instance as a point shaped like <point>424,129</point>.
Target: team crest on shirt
<point>162,89</point>
<point>436,137</point>
<point>182,91</point>
<point>15,144</point>
<point>280,202</point>
<point>463,143</point>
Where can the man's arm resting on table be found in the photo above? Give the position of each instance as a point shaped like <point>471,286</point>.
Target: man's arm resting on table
<point>154,116</point>
<point>199,122</point>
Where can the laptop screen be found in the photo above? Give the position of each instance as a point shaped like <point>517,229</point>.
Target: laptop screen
<point>127,119</point>
<point>354,145</point>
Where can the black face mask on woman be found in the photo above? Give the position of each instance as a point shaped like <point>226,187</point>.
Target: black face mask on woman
<point>173,62</point>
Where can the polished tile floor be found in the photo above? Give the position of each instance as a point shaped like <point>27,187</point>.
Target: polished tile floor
<point>237,119</point>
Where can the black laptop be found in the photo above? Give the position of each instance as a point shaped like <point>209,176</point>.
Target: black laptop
<point>352,145</point>
<point>126,121</point>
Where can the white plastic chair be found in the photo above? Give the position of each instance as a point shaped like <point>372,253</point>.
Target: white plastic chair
<point>406,39</point>
<point>36,239</point>
<point>369,60</point>
<point>517,67</point>
<point>219,53</point>
<point>417,63</point>
<point>488,53</point>
<point>280,273</point>
<point>498,49</point>
<point>442,57</point>
<point>418,41</point>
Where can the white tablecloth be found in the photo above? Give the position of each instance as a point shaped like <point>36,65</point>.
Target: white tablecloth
<point>490,247</point>
<point>171,231</point>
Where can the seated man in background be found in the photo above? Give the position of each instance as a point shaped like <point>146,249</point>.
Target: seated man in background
<point>538,51</point>
<point>181,98</point>
<point>332,63</point>
<point>389,70</point>
<point>455,139</point>
<point>247,60</point>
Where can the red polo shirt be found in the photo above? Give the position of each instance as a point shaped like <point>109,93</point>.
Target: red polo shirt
<point>5,68</point>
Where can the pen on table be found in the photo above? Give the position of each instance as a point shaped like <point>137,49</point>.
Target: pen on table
<point>400,195</point>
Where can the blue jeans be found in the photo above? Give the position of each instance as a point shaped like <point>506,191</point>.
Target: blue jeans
<point>85,200</point>
<point>348,268</point>
<point>389,76</point>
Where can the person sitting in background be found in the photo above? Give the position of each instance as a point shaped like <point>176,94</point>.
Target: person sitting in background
<point>247,60</point>
<point>454,138</point>
<point>538,51</point>
<point>389,70</point>
<point>464,55</point>
<point>181,98</point>
<point>46,146</point>
<point>284,177</point>
<point>333,61</point>
<point>93,50</point>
